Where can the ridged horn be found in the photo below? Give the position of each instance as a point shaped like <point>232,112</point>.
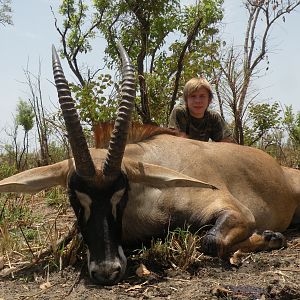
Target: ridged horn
<point>112,164</point>
<point>82,157</point>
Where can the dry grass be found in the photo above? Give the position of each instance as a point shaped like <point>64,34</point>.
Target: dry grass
<point>180,249</point>
<point>32,231</point>
<point>40,230</point>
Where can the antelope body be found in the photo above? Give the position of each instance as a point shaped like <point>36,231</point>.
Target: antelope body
<point>131,193</point>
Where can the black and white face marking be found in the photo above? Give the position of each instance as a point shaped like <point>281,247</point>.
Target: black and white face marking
<point>85,202</point>
<point>115,200</point>
<point>99,213</point>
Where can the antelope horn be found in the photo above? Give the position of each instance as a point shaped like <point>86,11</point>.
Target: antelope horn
<point>112,164</point>
<point>82,157</point>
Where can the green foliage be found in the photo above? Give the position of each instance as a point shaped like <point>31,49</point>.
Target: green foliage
<point>15,211</point>
<point>152,20</point>
<point>275,131</point>
<point>77,16</point>
<point>25,115</point>
<point>159,91</point>
<point>5,12</point>
<point>57,197</point>
<point>154,34</point>
<point>198,59</point>
<point>168,23</point>
<point>94,106</point>
<point>17,225</point>
<point>6,169</point>
<point>291,121</point>
<point>263,117</point>
<point>57,152</point>
<point>25,234</point>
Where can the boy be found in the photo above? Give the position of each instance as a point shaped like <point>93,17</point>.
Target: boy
<point>194,120</point>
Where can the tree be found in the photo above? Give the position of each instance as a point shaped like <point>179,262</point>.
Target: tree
<point>262,119</point>
<point>5,12</point>
<point>240,66</point>
<point>291,122</point>
<point>12,148</point>
<point>76,36</point>
<point>164,63</point>
<point>142,26</point>
<point>24,118</point>
<point>36,101</point>
<point>145,27</point>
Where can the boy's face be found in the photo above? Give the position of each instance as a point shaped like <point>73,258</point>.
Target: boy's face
<point>197,102</point>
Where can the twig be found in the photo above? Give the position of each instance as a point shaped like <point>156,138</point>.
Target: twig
<point>9,264</point>
<point>75,282</point>
<point>64,240</point>
<point>176,279</point>
<point>3,207</point>
<point>39,256</point>
<point>39,293</point>
<point>54,223</point>
<point>138,286</point>
<point>18,253</point>
<point>25,238</point>
<point>290,270</point>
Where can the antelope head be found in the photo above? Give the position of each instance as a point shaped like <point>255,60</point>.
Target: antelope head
<point>98,194</point>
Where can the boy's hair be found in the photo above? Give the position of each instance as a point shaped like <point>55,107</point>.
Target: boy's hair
<point>195,84</point>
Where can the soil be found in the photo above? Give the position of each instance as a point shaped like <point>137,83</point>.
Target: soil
<point>264,275</point>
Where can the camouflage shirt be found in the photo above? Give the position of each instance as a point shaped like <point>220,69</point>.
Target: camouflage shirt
<point>211,126</point>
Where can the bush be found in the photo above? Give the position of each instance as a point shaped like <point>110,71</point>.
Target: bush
<point>6,170</point>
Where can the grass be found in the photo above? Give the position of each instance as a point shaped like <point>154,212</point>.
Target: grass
<point>16,221</point>
<point>6,169</point>
<point>57,197</point>
<point>30,233</point>
<point>31,227</point>
<point>180,249</point>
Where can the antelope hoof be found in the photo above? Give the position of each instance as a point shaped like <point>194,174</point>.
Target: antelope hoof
<point>275,240</point>
<point>211,245</point>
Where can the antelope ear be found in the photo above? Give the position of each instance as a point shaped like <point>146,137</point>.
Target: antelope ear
<point>37,179</point>
<point>158,176</point>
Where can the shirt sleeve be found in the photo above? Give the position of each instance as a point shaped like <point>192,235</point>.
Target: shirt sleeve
<point>178,119</point>
<point>220,129</point>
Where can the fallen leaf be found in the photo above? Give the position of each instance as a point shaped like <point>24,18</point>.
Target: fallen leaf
<point>136,287</point>
<point>237,258</point>
<point>221,292</point>
<point>142,271</point>
<point>7,271</point>
<point>45,285</point>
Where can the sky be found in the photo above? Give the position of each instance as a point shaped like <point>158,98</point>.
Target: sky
<point>30,39</point>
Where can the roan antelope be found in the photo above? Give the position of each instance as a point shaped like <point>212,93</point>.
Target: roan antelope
<point>131,193</point>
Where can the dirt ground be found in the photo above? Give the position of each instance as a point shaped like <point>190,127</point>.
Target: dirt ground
<point>272,275</point>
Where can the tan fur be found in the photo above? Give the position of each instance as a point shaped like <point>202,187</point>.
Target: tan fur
<point>38,179</point>
<point>250,183</point>
<point>175,180</point>
<point>137,133</point>
<point>293,178</point>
